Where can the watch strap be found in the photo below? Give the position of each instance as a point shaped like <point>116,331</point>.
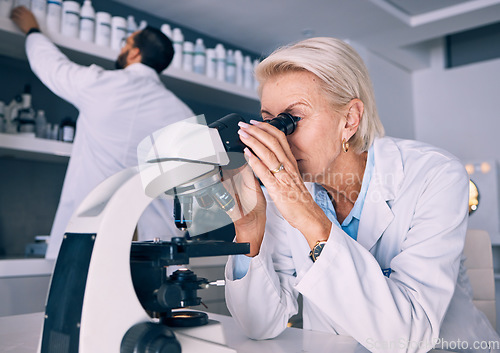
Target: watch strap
<point>33,30</point>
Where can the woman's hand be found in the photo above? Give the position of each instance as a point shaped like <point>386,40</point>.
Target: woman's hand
<point>286,187</point>
<point>249,215</point>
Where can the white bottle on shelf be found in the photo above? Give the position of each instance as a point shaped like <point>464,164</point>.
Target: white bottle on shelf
<point>187,56</point>
<point>103,29</point>
<point>25,3</point>
<point>131,25</point>
<point>87,22</point>
<point>53,18</point>
<point>238,59</point>
<point>211,63</point>
<point>39,9</point>
<point>5,8</point>
<point>247,73</point>
<point>40,124</point>
<point>230,67</point>
<point>220,54</point>
<point>70,20</point>
<point>143,24</point>
<point>178,40</point>
<point>256,63</point>
<point>118,32</point>
<point>166,30</point>
<point>199,57</point>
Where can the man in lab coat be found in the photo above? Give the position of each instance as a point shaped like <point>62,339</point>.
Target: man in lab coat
<point>117,109</point>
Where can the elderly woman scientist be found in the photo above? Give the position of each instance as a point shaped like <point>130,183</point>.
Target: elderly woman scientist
<point>369,229</point>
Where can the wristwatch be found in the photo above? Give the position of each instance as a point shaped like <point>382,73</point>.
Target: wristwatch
<point>316,250</point>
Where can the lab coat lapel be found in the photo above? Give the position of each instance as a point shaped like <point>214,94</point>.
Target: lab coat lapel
<point>386,180</point>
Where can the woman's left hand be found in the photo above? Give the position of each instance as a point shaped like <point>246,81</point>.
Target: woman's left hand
<point>285,185</point>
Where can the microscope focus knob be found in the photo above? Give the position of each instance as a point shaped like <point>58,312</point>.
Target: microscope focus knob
<point>148,337</point>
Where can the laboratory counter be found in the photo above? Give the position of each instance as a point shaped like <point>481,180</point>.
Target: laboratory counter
<point>21,334</point>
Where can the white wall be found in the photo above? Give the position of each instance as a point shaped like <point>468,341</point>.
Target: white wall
<point>458,109</point>
<point>393,93</point>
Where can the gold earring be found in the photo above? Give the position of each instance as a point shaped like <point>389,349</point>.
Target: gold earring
<point>345,145</point>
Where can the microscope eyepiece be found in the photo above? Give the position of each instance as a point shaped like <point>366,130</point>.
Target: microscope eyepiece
<point>285,122</point>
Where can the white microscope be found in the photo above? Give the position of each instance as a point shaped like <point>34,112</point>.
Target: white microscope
<point>108,294</point>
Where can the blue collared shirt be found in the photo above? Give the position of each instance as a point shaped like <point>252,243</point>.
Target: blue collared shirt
<point>350,224</point>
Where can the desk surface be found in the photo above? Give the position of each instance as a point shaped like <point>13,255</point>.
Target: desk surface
<point>21,333</point>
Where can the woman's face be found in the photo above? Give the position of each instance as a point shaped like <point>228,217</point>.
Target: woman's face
<point>317,141</point>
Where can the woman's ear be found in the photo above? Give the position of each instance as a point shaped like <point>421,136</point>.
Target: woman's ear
<point>355,110</point>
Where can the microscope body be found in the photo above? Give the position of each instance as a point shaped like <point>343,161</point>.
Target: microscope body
<point>92,305</point>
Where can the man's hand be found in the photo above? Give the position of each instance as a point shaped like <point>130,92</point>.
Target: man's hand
<point>24,19</point>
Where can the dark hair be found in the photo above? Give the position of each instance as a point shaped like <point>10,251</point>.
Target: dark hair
<point>156,48</point>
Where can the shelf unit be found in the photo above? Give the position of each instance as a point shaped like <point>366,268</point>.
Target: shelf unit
<point>183,83</point>
<point>191,85</point>
<point>18,146</point>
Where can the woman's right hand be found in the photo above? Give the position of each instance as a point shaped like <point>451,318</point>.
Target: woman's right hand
<point>249,214</point>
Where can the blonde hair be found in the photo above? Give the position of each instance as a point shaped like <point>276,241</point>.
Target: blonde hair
<point>343,77</point>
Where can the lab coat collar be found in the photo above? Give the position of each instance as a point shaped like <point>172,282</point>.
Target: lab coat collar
<point>386,180</point>
<point>142,69</point>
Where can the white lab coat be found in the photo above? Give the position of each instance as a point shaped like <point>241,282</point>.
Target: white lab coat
<point>414,222</point>
<point>117,109</point>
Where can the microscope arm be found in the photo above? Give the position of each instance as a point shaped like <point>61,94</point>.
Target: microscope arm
<point>107,219</point>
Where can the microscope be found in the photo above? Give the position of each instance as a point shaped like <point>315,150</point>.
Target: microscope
<point>109,294</point>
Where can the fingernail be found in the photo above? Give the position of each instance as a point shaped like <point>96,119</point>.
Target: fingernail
<point>247,152</point>
<point>242,133</point>
<point>242,124</point>
<point>255,122</point>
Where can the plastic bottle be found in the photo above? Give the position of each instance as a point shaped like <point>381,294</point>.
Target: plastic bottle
<point>247,73</point>
<point>187,56</point>
<point>256,63</point>
<point>220,54</point>
<point>26,114</point>
<point>67,130</point>
<point>131,25</point>
<point>238,59</point>
<point>70,20</point>
<point>5,8</point>
<point>118,32</point>
<point>230,67</point>
<point>39,9</point>
<point>87,22</point>
<point>53,18</point>
<point>40,124</point>
<point>199,57</point>
<point>211,63</point>
<point>11,115</point>
<point>178,40</point>
<point>103,29</point>
<point>48,131</point>
<point>166,30</point>
<point>143,24</point>
<point>54,133</point>
<point>25,3</point>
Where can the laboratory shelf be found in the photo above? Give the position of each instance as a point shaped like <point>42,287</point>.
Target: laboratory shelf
<point>18,146</point>
<point>186,84</point>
